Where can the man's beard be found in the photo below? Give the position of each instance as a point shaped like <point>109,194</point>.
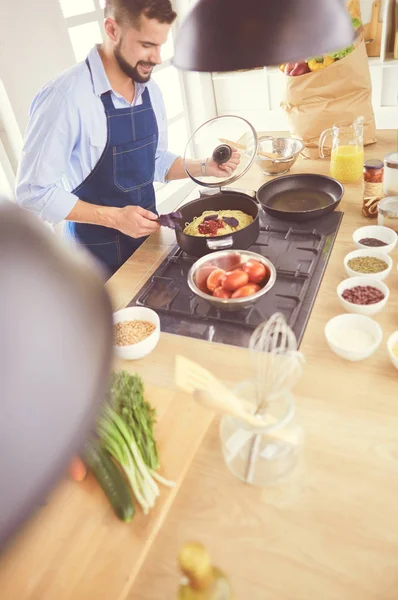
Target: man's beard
<point>129,70</point>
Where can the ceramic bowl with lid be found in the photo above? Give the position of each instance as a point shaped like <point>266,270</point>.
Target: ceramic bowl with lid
<point>376,232</point>
<point>283,152</point>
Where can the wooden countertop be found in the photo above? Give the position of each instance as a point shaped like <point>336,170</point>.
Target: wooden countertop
<point>329,534</point>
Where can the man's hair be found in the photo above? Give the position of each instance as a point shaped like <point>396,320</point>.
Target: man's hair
<point>130,11</point>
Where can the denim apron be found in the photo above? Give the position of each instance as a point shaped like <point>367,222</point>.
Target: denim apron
<point>122,177</point>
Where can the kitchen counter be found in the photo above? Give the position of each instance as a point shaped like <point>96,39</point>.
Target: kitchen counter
<point>329,533</point>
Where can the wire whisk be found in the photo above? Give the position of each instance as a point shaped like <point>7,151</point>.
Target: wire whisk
<point>278,363</point>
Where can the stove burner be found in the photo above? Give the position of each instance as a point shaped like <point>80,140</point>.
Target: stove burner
<point>300,256</point>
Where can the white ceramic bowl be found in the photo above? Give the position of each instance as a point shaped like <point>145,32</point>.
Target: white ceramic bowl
<point>385,234</point>
<point>343,324</point>
<point>391,342</point>
<point>141,349</point>
<point>374,254</point>
<point>363,309</point>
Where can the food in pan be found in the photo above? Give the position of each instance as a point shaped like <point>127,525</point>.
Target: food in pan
<point>243,280</point>
<point>218,222</point>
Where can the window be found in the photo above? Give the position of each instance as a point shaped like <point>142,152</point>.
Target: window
<point>84,19</point>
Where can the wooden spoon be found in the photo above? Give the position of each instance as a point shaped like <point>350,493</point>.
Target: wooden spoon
<point>271,155</point>
<point>214,395</point>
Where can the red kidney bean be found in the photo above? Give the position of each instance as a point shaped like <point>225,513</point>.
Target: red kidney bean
<point>363,294</point>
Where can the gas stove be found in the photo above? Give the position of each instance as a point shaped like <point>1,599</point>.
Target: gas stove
<point>300,253</point>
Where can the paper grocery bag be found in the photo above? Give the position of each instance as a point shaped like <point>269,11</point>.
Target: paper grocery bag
<point>338,93</point>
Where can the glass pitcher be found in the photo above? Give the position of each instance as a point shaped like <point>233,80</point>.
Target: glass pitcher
<point>347,158</point>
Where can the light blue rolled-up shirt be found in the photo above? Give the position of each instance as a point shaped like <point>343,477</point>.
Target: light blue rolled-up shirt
<point>67,134</point>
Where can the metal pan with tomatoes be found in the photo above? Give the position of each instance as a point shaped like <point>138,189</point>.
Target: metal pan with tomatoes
<point>232,279</point>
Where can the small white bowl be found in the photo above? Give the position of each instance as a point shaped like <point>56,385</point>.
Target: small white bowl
<point>140,349</point>
<point>363,309</point>
<point>342,324</point>
<point>374,254</point>
<point>391,342</point>
<point>385,234</point>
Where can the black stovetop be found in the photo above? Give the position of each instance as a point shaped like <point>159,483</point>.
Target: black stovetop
<point>299,251</point>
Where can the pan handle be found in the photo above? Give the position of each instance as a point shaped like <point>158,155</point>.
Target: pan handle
<point>220,244</point>
<point>250,193</point>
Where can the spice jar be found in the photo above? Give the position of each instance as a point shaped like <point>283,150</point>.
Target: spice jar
<point>372,187</point>
<point>262,456</point>
<point>390,186</point>
<point>388,213</point>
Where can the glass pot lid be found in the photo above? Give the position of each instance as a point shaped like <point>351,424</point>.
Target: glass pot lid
<point>215,141</point>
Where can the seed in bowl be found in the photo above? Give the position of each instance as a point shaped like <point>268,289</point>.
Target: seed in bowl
<point>372,242</point>
<point>367,264</point>
<point>127,333</point>
<point>363,294</point>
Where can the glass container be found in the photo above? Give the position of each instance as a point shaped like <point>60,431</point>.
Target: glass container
<point>388,212</point>
<point>390,186</point>
<point>347,157</point>
<point>262,456</point>
<point>373,173</point>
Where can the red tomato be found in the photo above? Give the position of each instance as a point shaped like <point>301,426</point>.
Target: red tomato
<point>221,293</point>
<point>246,290</point>
<point>215,279</point>
<point>202,276</point>
<point>257,271</point>
<point>229,262</point>
<point>235,280</point>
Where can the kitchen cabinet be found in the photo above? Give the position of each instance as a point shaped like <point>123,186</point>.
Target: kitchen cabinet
<point>256,94</point>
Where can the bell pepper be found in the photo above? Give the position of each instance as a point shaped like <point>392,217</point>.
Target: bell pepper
<point>316,64</point>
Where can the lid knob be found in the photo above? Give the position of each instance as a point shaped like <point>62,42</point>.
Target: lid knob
<point>222,154</point>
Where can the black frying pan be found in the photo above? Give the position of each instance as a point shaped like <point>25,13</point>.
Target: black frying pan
<point>301,197</point>
<point>241,240</point>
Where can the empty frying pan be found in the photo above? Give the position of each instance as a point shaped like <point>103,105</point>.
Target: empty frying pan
<point>301,197</point>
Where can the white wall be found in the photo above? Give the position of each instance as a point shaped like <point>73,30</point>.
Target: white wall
<point>34,47</point>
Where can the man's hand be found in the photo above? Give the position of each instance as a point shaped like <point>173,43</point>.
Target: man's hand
<point>224,170</point>
<point>136,221</point>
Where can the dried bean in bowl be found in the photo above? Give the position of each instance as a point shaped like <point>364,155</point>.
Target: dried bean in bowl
<point>363,294</point>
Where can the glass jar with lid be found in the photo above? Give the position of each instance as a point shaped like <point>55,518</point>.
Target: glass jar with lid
<point>388,212</point>
<point>263,456</point>
<point>390,186</point>
<point>373,173</point>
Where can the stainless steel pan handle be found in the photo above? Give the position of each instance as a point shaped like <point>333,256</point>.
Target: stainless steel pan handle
<point>220,244</point>
<point>250,193</point>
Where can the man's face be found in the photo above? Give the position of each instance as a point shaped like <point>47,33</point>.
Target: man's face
<point>137,51</point>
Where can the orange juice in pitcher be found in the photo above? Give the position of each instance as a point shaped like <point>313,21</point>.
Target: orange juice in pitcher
<point>347,158</point>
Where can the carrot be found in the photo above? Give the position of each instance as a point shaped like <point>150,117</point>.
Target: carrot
<point>77,469</point>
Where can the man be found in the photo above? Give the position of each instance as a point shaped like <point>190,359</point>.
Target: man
<point>97,139</point>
